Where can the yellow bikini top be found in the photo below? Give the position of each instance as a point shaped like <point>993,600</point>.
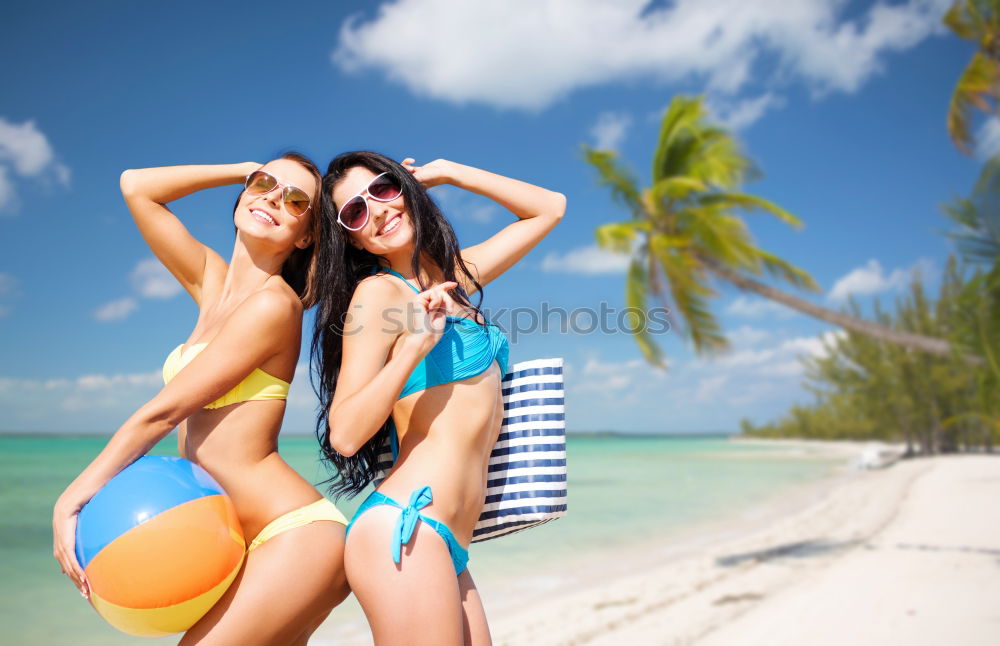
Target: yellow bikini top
<point>258,385</point>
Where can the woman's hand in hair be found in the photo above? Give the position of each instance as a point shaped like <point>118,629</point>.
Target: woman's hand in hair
<point>432,308</point>
<point>430,174</point>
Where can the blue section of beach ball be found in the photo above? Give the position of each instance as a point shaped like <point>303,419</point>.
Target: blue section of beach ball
<point>150,485</point>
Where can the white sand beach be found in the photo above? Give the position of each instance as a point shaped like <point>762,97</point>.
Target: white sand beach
<point>909,554</point>
<point>906,554</point>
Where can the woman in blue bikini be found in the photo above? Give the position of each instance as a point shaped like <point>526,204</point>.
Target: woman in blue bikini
<point>401,351</point>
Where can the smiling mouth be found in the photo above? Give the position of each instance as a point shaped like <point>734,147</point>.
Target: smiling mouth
<point>263,217</point>
<point>390,225</point>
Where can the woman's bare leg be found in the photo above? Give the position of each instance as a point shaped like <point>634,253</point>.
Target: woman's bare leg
<point>303,638</point>
<point>416,602</point>
<point>474,624</point>
<point>287,585</point>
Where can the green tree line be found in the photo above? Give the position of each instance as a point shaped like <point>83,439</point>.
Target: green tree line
<point>868,389</point>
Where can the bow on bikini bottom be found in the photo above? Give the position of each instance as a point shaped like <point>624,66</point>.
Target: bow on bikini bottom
<point>402,532</point>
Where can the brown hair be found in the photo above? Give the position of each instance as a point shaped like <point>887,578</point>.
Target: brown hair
<point>299,270</point>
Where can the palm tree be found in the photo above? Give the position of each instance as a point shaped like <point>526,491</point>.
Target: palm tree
<point>684,234</point>
<point>978,218</point>
<point>979,86</point>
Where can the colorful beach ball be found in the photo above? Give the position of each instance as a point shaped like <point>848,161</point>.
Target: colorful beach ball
<point>160,544</point>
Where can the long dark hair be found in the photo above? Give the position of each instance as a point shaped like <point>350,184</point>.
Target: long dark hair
<point>299,269</point>
<point>340,267</point>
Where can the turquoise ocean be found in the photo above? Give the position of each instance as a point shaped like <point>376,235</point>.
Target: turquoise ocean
<point>620,488</point>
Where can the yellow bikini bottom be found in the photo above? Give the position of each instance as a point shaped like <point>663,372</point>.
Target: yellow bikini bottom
<point>322,509</point>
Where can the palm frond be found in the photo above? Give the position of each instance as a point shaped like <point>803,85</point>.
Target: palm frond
<point>786,271</point>
<point>636,288</point>
<point>689,146</point>
<point>620,237</point>
<point>676,142</point>
<point>721,236</point>
<point>965,19</point>
<point>677,188</point>
<point>978,218</point>
<point>621,181</point>
<point>749,203</point>
<point>690,293</point>
<point>719,159</point>
<point>962,212</point>
<point>978,87</point>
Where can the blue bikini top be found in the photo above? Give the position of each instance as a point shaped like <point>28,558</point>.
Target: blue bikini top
<point>466,349</point>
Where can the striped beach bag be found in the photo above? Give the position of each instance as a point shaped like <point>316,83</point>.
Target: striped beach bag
<point>526,477</point>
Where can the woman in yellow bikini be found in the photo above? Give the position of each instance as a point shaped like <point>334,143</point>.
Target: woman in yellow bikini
<point>225,390</point>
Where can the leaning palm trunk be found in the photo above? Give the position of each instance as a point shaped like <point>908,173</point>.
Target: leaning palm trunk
<point>910,340</point>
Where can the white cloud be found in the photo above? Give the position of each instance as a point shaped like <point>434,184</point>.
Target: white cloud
<point>786,360</point>
<point>738,115</point>
<point>710,387</point>
<point>149,279</point>
<point>761,376</point>
<point>782,358</point>
<point>482,214</point>
<point>152,280</point>
<point>812,346</point>
<point>100,402</point>
<point>866,280</point>
<point>533,52</point>
<point>758,308</point>
<point>25,148</point>
<point>7,284</point>
<point>747,336</point>
<point>97,400</point>
<point>596,368</point>
<point>988,139</point>
<point>872,279</point>
<point>8,197</point>
<point>586,260</point>
<point>111,382</point>
<point>609,131</point>
<point>116,310</point>
<point>26,151</point>
<point>613,379</point>
<point>790,368</point>
<point>805,345</point>
<point>738,358</point>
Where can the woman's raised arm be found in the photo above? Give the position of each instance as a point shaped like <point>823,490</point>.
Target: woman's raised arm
<point>538,210</point>
<point>147,191</point>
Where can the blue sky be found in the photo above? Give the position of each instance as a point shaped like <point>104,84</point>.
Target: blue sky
<point>841,104</point>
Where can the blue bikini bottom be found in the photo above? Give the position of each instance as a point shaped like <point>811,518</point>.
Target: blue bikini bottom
<point>407,522</point>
